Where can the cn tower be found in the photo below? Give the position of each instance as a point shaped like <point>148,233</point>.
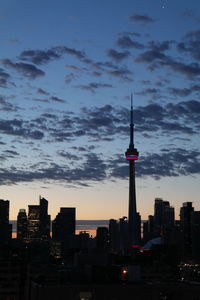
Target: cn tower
<point>133,217</point>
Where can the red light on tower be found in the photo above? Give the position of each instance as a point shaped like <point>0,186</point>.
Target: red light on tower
<point>131,156</point>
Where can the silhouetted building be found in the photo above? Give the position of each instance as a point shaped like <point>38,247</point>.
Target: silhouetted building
<point>44,219</point>
<point>22,223</point>
<point>185,223</point>
<point>114,235</point>
<point>5,227</point>
<point>133,216</point>
<point>102,238</point>
<point>39,220</point>
<point>195,234</point>
<point>33,221</point>
<point>64,224</point>
<point>163,216</point>
<point>148,229</point>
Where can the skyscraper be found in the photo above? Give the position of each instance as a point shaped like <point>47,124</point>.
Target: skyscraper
<point>64,224</point>
<point>44,226</point>
<point>22,223</point>
<point>185,222</point>
<point>163,216</point>
<point>133,216</point>
<point>39,220</point>
<point>5,227</point>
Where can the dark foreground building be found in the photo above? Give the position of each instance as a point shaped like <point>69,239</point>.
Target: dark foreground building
<point>167,291</point>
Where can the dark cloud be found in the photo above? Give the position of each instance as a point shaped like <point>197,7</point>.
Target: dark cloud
<point>10,154</point>
<point>56,99</point>
<point>156,59</point>
<point>168,163</point>
<point>19,128</point>
<point>151,56</point>
<point>75,68</point>
<point>42,92</point>
<point>127,33</point>
<point>68,155</point>
<point>122,73</point>
<point>4,77</point>
<point>141,19</point>
<point>160,46</point>
<point>27,70</point>
<point>93,86</point>
<point>184,92</point>
<point>127,42</point>
<point>39,57</point>
<point>69,77</point>
<point>77,53</point>
<point>92,169</point>
<point>191,44</point>
<point>6,106</point>
<point>148,91</point>
<point>116,55</point>
<point>83,149</point>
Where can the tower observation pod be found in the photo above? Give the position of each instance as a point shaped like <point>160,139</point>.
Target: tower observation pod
<point>133,216</point>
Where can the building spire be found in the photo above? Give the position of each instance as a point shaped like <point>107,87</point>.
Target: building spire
<point>131,125</point>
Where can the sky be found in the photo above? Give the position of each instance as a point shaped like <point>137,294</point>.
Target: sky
<point>67,70</point>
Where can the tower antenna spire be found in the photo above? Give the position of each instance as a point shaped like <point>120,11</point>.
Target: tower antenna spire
<point>131,124</point>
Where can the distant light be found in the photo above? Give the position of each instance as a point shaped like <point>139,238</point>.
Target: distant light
<point>135,246</point>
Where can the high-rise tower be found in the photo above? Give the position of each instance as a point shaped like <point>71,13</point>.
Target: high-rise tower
<point>133,216</point>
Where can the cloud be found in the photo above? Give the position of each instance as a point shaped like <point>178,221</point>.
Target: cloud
<point>10,154</point>
<point>191,44</point>
<point>92,169</point>
<point>160,46</point>
<point>168,163</point>
<point>184,92</point>
<point>27,70</point>
<point>19,128</point>
<point>75,68</point>
<point>156,59</point>
<point>42,92</point>
<point>38,56</point>
<point>117,56</point>
<point>93,86</point>
<point>3,78</point>
<point>144,19</point>
<point>56,99</point>
<point>127,42</point>
<point>77,53</point>
<point>6,106</point>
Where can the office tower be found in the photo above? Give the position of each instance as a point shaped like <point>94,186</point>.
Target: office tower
<point>114,235</point>
<point>148,229</point>
<point>44,226</point>
<point>33,221</point>
<point>22,223</point>
<point>133,216</point>
<point>102,238</point>
<point>123,234</point>
<point>64,224</point>
<point>163,216</point>
<point>185,224</point>
<point>195,234</point>
<point>5,227</point>
<point>39,220</point>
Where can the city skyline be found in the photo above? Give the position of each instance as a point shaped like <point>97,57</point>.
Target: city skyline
<point>66,74</point>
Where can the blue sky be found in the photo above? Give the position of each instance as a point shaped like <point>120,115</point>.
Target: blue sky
<point>67,69</point>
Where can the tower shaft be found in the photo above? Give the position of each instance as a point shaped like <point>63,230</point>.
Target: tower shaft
<point>133,216</point>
